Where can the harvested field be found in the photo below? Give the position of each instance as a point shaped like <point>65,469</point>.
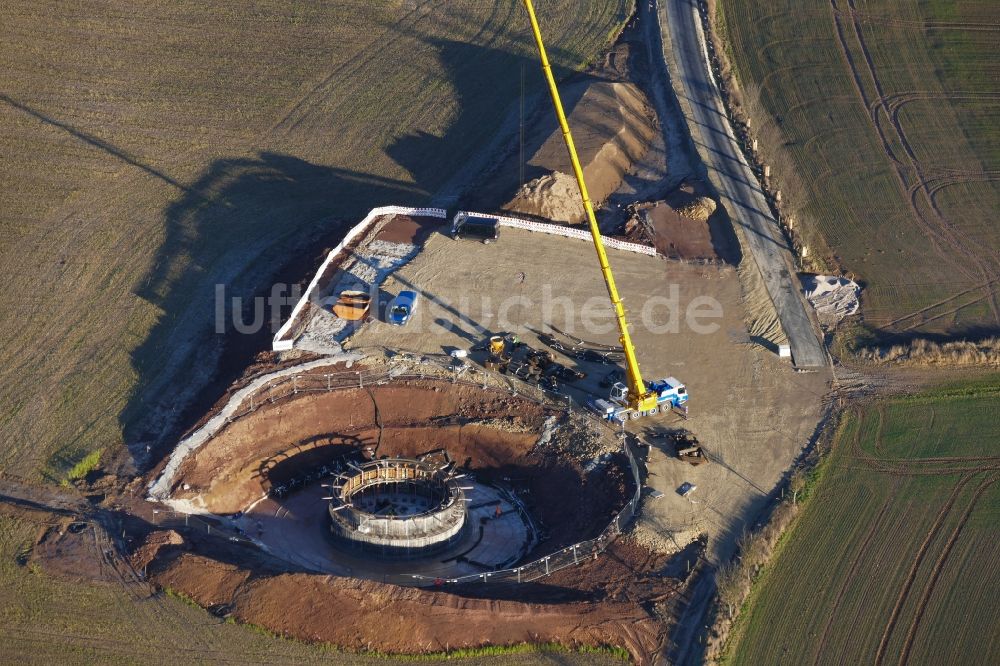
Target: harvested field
<point>893,560</point>
<point>881,123</point>
<point>153,151</point>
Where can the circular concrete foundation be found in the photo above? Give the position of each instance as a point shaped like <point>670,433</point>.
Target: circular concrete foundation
<point>398,507</point>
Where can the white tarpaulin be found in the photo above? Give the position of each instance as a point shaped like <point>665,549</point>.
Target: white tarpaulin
<point>833,297</point>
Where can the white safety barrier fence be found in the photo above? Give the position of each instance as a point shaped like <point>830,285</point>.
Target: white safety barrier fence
<point>284,339</point>
<point>568,232</point>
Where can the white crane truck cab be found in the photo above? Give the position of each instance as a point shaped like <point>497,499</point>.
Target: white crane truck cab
<point>670,393</point>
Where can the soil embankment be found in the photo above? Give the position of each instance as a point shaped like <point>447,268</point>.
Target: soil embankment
<point>612,126</point>
<point>354,614</point>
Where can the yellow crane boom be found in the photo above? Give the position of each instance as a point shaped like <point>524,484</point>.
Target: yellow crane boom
<point>640,398</point>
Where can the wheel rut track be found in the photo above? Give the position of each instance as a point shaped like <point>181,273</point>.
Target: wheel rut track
<point>918,614</point>
<point>849,578</point>
<point>915,567</point>
<point>315,97</point>
<point>326,90</point>
<point>144,599</point>
<point>917,313</point>
<point>916,466</point>
<point>139,653</point>
<point>941,233</point>
<point>868,17</point>
<point>953,237</point>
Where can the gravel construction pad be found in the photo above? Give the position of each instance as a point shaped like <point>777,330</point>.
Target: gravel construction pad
<point>751,411</point>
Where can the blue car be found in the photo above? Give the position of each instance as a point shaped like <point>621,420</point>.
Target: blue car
<point>401,308</point>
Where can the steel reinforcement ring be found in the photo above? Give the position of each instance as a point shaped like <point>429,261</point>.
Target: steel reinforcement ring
<point>398,506</point>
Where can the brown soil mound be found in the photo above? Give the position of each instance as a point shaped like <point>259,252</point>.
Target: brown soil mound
<point>207,581</point>
<point>685,225</point>
<point>367,615</point>
<point>69,551</point>
<point>680,236</point>
<point>152,545</point>
<point>612,127</point>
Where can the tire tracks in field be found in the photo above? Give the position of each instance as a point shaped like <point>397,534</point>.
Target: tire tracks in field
<point>145,598</point>
<point>930,466</point>
<point>892,114</point>
<point>940,315</point>
<point>933,237</point>
<point>140,652</point>
<point>965,26</point>
<point>940,232</point>
<point>954,237</point>
<point>918,559</point>
<point>319,93</point>
<point>879,429</point>
<point>389,39</point>
<point>847,579</point>
<point>921,608</point>
<point>927,308</point>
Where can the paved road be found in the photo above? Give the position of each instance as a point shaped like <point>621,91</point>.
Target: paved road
<point>683,41</point>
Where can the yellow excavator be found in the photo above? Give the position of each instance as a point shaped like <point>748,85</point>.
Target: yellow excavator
<point>635,398</point>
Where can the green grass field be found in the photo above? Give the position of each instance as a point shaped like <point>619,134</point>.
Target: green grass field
<point>894,558</point>
<point>152,150</point>
<point>883,122</point>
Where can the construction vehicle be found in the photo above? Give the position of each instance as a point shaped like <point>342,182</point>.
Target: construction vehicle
<point>497,346</point>
<point>635,397</point>
<point>688,449</point>
<point>499,354</point>
<point>352,305</point>
<point>668,393</point>
<point>476,227</point>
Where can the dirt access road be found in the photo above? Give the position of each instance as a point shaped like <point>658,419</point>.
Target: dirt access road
<point>700,100</point>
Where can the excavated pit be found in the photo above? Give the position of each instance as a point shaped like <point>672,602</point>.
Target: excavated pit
<point>272,473</point>
<point>539,477</point>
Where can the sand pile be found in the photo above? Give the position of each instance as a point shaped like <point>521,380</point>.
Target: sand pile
<point>554,196</point>
<point>699,210</point>
<point>833,297</point>
<point>612,128</point>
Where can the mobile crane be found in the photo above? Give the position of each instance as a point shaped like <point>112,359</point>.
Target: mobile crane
<point>636,397</point>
